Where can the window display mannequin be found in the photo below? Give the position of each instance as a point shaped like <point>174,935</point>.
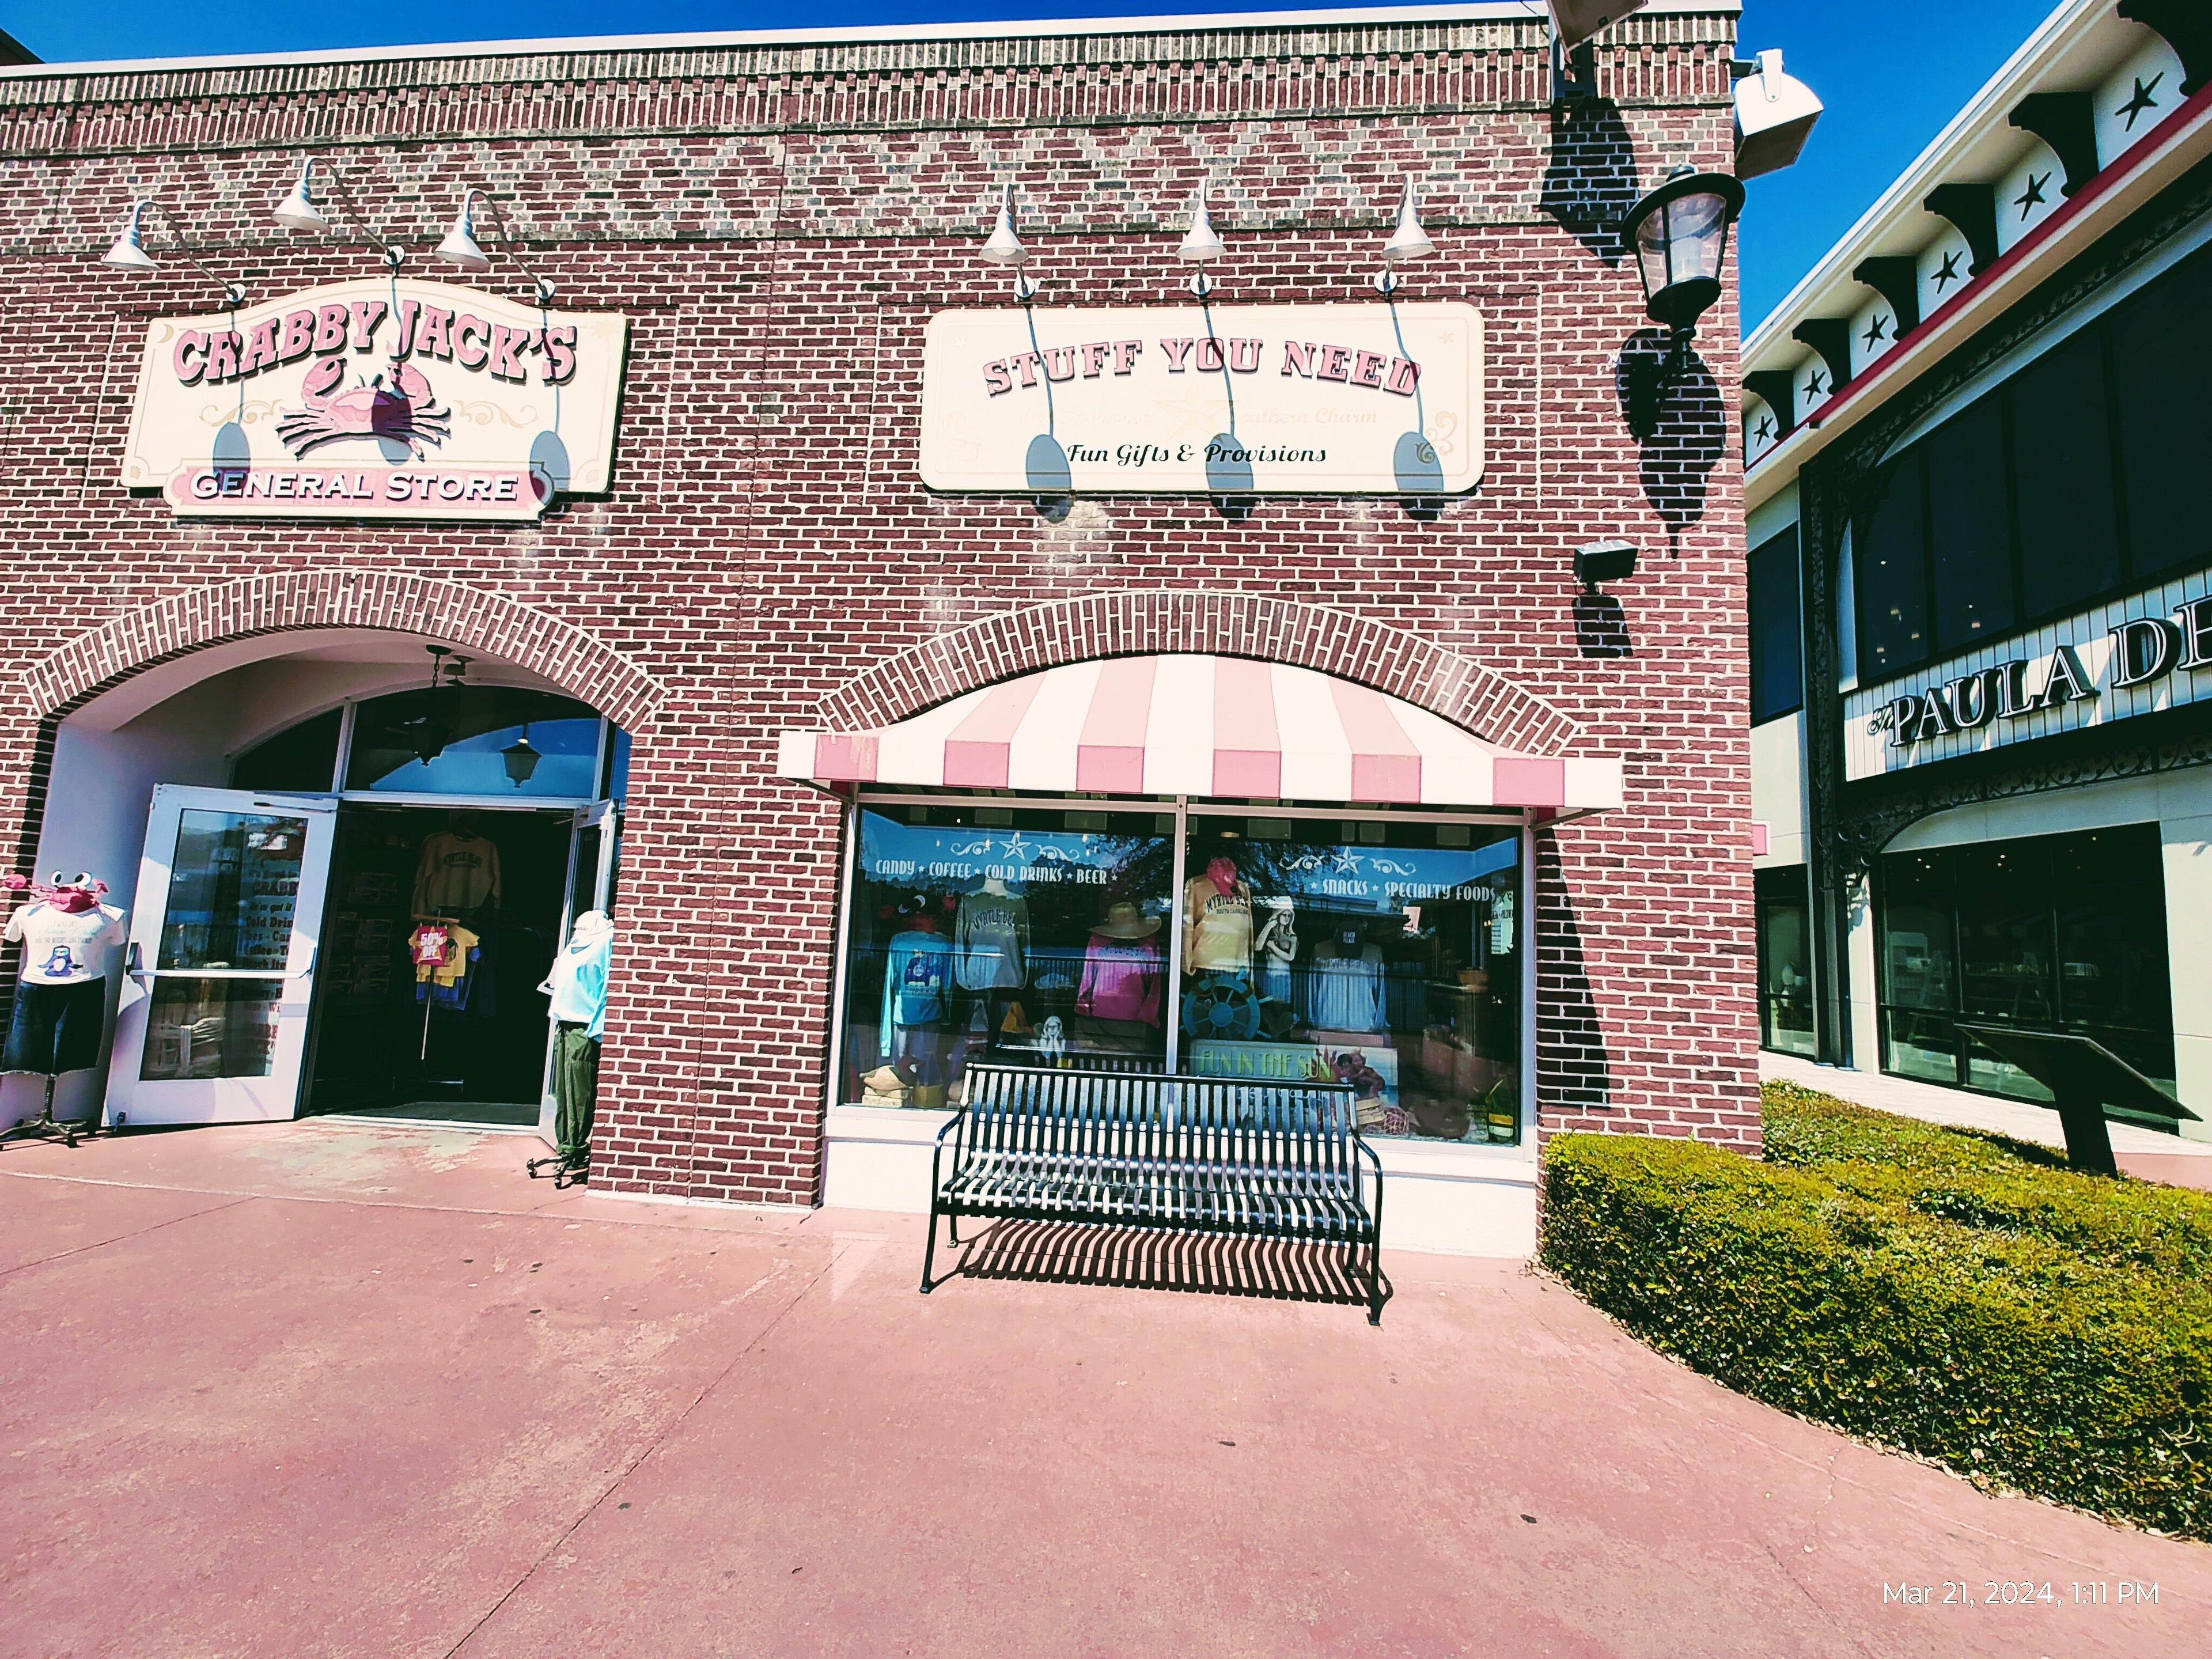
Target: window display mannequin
<point>1277,947</point>
<point>61,993</point>
<point>991,936</point>
<point>1121,969</point>
<point>577,984</point>
<point>917,978</point>
<point>1216,922</point>
<point>457,869</point>
<point>1344,991</point>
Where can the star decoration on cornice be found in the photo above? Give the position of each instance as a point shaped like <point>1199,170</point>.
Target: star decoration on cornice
<point>1814,386</point>
<point>1949,272</point>
<point>2029,199</point>
<point>2142,98</point>
<point>1765,430</point>
<point>1877,330</point>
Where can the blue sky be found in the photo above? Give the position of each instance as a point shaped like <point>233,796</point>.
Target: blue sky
<point>1892,72</point>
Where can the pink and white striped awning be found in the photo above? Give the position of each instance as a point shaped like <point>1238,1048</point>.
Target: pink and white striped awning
<point>1218,726</point>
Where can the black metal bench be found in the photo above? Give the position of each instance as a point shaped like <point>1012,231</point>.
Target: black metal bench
<point>1213,1155</point>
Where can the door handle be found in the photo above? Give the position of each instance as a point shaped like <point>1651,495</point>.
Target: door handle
<point>313,951</point>
<point>134,963</point>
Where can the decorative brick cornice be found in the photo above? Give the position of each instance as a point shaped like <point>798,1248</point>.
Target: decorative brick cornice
<point>1132,623</point>
<point>1011,83</point>
<point>474,618</point>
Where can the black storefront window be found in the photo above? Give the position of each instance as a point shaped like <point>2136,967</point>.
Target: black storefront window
<point>1785,960</point>
<point>2053,933</point>
<point>2069,536</point>
<point>1892,574</point>
<point>2162,362</point>
<point>2078,480</point>
<point>1777,638</point>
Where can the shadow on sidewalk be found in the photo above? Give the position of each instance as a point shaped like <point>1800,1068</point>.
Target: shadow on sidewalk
<point>1139,1258</point>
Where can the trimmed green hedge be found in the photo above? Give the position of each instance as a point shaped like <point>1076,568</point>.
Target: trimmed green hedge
<point>1952,1293</point>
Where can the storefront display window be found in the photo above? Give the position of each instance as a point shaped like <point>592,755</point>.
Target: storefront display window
<point>1024,937</point>
<point>1381,953</point>
<point>1785,961</point>
<point>2059,932</point>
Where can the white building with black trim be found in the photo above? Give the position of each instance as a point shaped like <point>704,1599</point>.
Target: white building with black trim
<point>1976,448</point>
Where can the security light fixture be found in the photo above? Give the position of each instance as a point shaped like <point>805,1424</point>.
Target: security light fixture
<point>1678,237</point>
<point>1407,241</point>
<point>1004,248</point>
<point>1200,244</point>
<point>128,253</point>
<point>1774,116</point>
<point>520,759</point>
<point>1604,562</point>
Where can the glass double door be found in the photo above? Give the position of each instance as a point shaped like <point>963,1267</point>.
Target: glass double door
<point>212,1021</point>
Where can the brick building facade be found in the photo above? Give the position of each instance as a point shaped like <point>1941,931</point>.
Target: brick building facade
<point>779,221</point>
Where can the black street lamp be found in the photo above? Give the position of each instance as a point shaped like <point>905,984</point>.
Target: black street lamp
<point>1678,237</point>
<point>520,759</point>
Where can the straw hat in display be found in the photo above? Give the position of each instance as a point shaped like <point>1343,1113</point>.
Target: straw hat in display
<point>1125,920</point>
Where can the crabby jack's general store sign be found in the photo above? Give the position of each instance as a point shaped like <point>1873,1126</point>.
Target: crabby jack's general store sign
<point>1364,399</point>
<point>377,398</point>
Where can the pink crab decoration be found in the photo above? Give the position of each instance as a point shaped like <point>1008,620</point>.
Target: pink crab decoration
<point>405,409</point>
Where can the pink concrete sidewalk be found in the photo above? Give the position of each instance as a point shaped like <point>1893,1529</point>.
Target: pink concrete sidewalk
<point>306,1389</point>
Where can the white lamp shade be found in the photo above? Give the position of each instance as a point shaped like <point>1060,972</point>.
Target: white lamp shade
<point>1578,20</point>
<point>460,247</point>
<point>1408,240</point>
<point>297,210</point>
<point>129,254</point>
<point>1199,243</point>
<point>1774,116</point>
<point>1004,247</point>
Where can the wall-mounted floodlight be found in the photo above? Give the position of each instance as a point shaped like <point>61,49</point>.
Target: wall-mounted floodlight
<point>1200,244</point>
<point>460,247</point>
<point>1004,248</point>
<point>127,251</point>
<point>1577,20</point>
<point>299,210</point>
<point>1408,241</point>
<point>1774,116</point>
<point>1604,562</point>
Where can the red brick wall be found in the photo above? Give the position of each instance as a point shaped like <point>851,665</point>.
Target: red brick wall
<point>779,225</point>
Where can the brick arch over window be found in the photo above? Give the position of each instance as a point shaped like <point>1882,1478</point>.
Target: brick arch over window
<point>471,618</point>
<point>1390,659</point>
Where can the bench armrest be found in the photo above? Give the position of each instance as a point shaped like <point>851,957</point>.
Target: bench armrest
<point>954,1126</point>
<point>1359,1142</point>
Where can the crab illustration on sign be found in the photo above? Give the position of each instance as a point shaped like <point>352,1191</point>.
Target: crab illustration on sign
<point>406,412</point>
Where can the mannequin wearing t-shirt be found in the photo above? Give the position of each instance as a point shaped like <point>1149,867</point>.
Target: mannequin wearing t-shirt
<point>991,948</point>
<point>577,986</point>
<point>1217,911</point>
<point>917,1004</point>
<point>1344,991</point>
<point>61,992</point>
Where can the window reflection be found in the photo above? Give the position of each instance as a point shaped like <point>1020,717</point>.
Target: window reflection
<point>471,740</point>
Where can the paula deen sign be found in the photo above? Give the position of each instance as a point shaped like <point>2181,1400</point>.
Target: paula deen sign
<point>376,399</point>
<point>1358,399</point>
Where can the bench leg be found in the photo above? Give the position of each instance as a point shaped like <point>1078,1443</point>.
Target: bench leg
<point>1375,1283</point>
<point>929,1251</point>
<point>952,1226</point>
